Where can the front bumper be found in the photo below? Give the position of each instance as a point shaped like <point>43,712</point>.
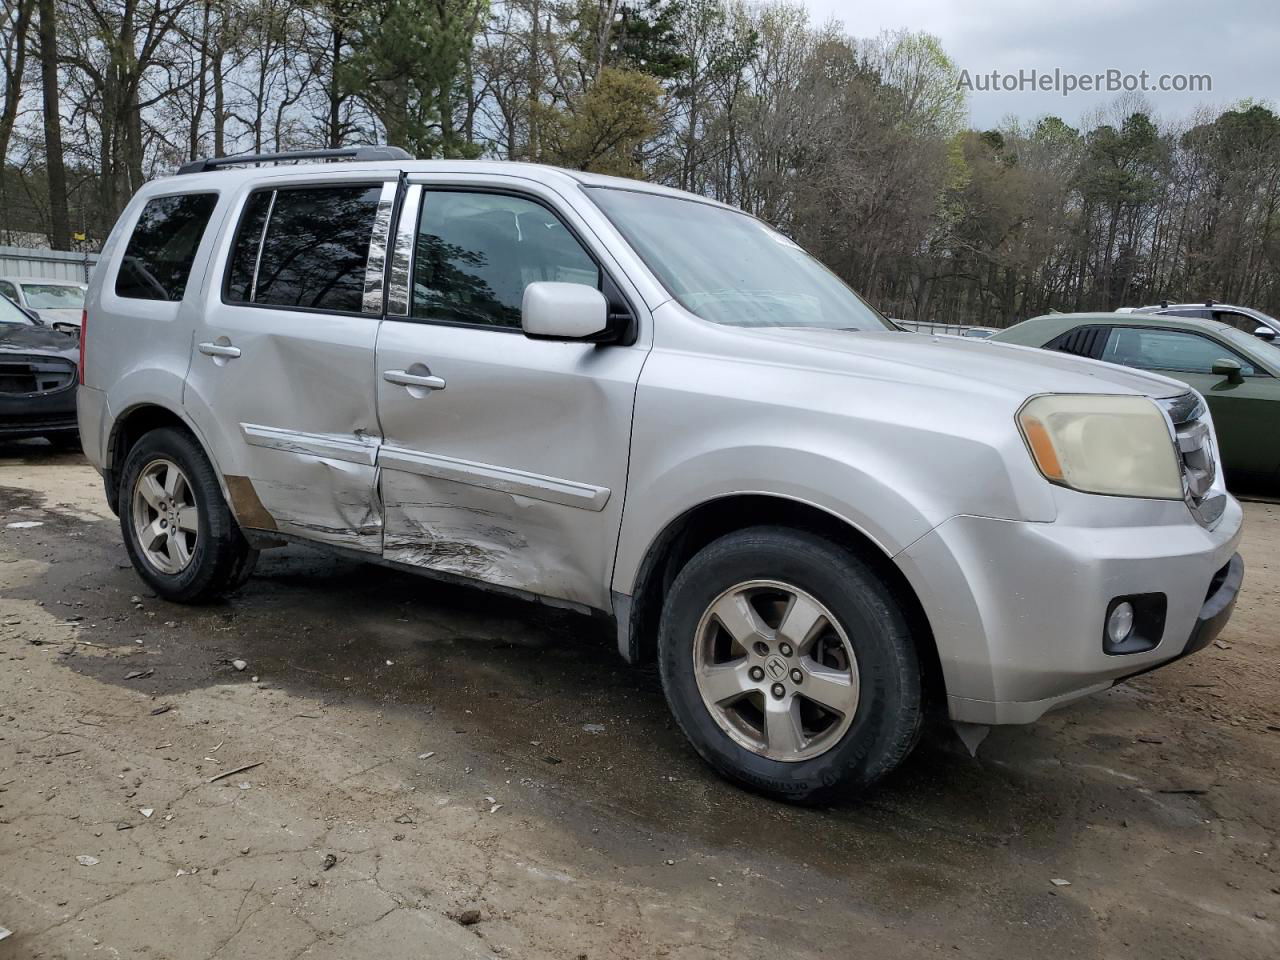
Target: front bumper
<point>38,415</point>
<point>1018,609</point>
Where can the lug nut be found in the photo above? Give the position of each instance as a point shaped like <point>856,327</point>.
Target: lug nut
<point>778,690</point>
<point>797,676</point>
<point>761,648</point>
<point>756,674</point>
<point>785,649</point>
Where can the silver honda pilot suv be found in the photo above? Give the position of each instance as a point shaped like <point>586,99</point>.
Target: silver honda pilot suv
<point>628,399</point>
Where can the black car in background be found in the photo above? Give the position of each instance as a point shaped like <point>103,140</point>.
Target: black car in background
<point>37,378</point>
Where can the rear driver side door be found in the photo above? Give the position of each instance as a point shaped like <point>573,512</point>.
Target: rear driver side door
<point>281,374</point>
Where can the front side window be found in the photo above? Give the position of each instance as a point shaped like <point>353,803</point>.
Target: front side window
<point>9,290</point>
<point>314,252</point>
<point>53,296</point>
<point>158,258</point>
<point>731,268</point>
<point>476,252</point>
<point>1169,350</point>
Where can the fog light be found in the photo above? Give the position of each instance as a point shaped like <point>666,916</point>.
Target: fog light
<point>1120,622</point>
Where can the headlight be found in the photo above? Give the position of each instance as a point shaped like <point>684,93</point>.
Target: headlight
<point>1102,444</point>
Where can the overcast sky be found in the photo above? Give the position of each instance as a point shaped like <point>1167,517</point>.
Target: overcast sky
<point>1237,42</point>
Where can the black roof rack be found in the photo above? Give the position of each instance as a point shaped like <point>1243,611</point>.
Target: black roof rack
<point>359,154</point>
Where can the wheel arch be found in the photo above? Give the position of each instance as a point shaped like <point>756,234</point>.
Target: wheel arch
<point>130,427</point>
<point>637,615</point>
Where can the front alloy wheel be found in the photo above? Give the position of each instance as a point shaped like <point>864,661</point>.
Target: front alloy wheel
<point>775,670</point>
<point>165,516</point>
<point>789,662</point>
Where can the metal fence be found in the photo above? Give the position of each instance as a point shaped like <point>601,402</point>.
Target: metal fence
<point>46,264</point>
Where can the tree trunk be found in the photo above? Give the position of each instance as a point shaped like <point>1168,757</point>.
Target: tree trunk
<point>219,103</point>
<point>202,89</point>
<point>13,91</point>
<point>335,90</point>
<point>55,167</point>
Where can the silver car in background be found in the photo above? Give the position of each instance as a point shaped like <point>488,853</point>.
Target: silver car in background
<point>631,400</point>
<point>1247,319</point>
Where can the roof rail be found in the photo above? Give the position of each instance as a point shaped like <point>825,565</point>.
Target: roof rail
<point>359,154</point>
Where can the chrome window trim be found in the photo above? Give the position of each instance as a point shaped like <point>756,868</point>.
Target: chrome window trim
<point>262,240</point>
<point>375,267</point>
<point>401,279</point>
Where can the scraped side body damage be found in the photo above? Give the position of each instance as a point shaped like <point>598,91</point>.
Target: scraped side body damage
<point>322,499</point>
<point>319,486</point>
<point>315,498</point>
<point>495,537</point>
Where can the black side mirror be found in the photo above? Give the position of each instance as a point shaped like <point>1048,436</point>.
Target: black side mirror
<point>1229,369</point>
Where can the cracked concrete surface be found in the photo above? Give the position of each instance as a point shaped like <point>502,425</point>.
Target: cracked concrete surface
<point>1159,801</point>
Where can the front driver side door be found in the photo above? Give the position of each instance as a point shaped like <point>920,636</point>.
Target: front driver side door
<point>1245,415</point>
<point>504,459</point>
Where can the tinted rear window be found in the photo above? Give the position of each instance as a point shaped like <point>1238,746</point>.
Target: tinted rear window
<point>315,250</point>
<point>157,261</point>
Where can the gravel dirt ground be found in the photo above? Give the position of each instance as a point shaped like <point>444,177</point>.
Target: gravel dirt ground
<point>439,773</point>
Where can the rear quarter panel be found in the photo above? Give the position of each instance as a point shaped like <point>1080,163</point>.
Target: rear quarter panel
<point>137,352</point>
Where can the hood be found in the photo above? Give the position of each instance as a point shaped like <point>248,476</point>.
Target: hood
<point>927,359</point>
<point>60,315</point>
<point>20,338</point>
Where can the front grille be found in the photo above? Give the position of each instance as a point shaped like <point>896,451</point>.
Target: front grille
<point>25,376</point>
<point>1197,456</point>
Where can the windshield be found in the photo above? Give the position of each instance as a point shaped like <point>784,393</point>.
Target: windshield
<point>730,268</point>
<point>53,296</point>
<point>9,313</point>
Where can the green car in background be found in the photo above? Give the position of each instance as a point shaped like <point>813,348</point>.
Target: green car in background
<point>1237,373</point>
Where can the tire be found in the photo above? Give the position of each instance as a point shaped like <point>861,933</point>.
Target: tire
<point>829,752</point>
<point>217,557</point>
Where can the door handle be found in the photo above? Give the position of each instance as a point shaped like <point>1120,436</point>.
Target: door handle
<point>220,350</point>
<point>406,379</point>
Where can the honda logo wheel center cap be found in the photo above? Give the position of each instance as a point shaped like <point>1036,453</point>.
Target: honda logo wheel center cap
<point>775,667</point>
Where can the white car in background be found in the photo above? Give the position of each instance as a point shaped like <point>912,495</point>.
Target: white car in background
<point>59,303</point>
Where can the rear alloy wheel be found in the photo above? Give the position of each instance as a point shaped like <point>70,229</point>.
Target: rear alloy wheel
<point>165,516</point>
<point>789,664</point>
<point>179,532</point>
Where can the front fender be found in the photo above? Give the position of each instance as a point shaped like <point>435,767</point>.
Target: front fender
<point>662,497</point>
